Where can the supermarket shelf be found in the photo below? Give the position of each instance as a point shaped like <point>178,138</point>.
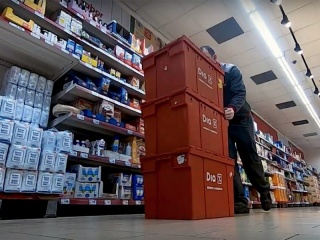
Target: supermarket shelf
<point>91,28</point>
<point>287,170</point>
<point>75,92</point>
<point>268,173</point>
<point>291,179</point>
<point>91,71</point>
<point>17,45</point>
<point>106,161</point>
<point>98,201</point>
<point>300,191</point>
<point>298,168</point>
<point>28,13</point>
<point>92,125</point>
<point>262,145</point>
<point>276,156</point>
<point>26,196</point>
<point>247,184</point>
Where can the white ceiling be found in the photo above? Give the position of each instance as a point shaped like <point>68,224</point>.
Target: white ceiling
<point>249,51</point>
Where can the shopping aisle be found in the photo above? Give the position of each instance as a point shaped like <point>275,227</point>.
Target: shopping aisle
<point>280,224</point>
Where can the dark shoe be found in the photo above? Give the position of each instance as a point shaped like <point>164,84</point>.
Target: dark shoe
<point>241,208</point>
<point>266,201</point>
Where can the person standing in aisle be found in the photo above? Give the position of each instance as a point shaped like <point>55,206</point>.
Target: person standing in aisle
<point>241,136</point>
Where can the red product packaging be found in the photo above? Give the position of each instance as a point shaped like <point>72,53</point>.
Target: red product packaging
<point>119,51</point>
<point>130,127</point>
<point>140,125</point>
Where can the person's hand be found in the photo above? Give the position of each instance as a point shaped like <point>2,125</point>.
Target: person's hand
<point>228,113</point>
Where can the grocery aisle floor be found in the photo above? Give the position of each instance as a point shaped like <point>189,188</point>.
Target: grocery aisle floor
<point>280,224</point>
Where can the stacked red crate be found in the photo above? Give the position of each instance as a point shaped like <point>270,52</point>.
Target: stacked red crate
<point>186,136</point>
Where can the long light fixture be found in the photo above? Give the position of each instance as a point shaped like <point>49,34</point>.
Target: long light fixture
<point>275,49</point>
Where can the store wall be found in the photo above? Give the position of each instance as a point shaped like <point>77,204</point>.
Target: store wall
<point>265,127</point>
<point>111,11</point>
<point>312,157</point>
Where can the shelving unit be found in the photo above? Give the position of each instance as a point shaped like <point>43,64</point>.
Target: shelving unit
<point>53,62</point>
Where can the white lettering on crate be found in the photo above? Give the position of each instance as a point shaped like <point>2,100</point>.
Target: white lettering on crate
<point>213,123</point>
<point>208,78</point>
<point>211,177</point>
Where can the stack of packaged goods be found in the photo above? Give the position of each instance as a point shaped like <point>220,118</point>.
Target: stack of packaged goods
<point>35,160</point>
<point>137,187</point>
<point>87,181</point>
<point>313,188</point>
<point>184,98</point>
<point>279,183</point>
<point>124,184</point>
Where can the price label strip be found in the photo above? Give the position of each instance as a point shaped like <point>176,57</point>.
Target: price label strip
<point>95,121</point>
<point>84,155</point>
<point>112,160</point>
<point>65,201</point>
<point>80,117</point>
<point>92,202</point>
<point>107,202</point>
<point>125,202</point>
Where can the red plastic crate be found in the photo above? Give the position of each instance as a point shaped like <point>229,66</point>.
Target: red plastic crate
<point>183,120</point>
<point>182,64</point>
<point>189,184</point>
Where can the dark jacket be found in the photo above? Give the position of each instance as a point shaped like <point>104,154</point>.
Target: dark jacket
<point>235,93</point>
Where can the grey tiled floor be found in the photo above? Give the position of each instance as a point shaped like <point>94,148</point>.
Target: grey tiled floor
<point>279,224</point>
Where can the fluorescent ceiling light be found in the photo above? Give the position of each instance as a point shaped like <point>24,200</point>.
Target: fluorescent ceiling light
<point>275,49</point>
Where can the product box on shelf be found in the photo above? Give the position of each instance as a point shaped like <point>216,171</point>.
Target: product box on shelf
<point>137,180</point>
<point>137,192</point>
<point>44,184</point>
<point>57,183</point>
<point>69,184</point>
<point>108,190</point>
<point>113,155</point>
<point>13,180</point>
<point>86,190</point>
<point>87,174</point>
<point>182,64</point>
<point>16,156</point>
<point>3,154</point>
<point>204,179</point>
<point>29,181</point>
<point>122,179</point>
<point>125,192</point>
<point>199,124</point>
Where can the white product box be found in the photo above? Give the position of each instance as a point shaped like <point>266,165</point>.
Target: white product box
<point>20,133</point>
<point>113,195</point>
<point>86,190</point>
<point>87,174</point>
<point>35,136</point>
<point>124,158</point>
<point>61,163</point>
<point>29,181</point>
<point>124,180</point>
<point>111,154</point>
<point>8,108</point>
<point>6,130</point>
<point>2,177</point>
<point>57,183</point>
<point>44,184</point>
<point>16,156</point>
<point>13,180</point>
<point>64,141</point>
<point>69,184</point>
<point>80,149</point>
<point>3,154</point>
<point>49,139</point>
<point>47,161</point>
<point>125,192</point>
<point>31,161</point>
<point>76,27</point>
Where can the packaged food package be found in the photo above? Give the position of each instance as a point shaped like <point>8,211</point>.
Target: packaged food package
<point>13,180</point>
<point>30,95</point>
<point>9,90</point>
<point>44,118</point>
<point>29,181</point>
<point>19,111</point>
<point>12,75</point>
<point>44,183</point>
<point>82,104</point>
<point>3,155</point>
<point>6,130</point>
<point>64,142</point>
<point>49,88</point>
<point>24,78</point>
<point>41,85</point>
<point>27,113</point>
<point>16,156</point>
<point>105,108</point>
<point>36,115</point>
<point>33,81</point>
<point>57,183</point>
<point>47,161</point>
<point>46,103</point>
<point>21,94</point>
<point>38,100</point>
<point>8,108</point>
<point>20,133</point>
<point>61,163</point>
<point>32,158</point>
<point>2,178</point>
<point>35,136</point>
<point>49,139</point>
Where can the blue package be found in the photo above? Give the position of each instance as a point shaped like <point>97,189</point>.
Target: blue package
<point>88,113</point>
<point>6,130</point>
<point>91,85</point>
<point>137,192</point>
<point>36,115</point>
<point>71,45</point>
<point>136,61</point>
<point>113,121</point>
<point>71,79</point>
<point>103,84</point>
<point>78,50</point>
<point>100,117</point>
<point>8,108</point>
<point>27,113</point>
<point>124,96</point>
<point>137,180</point>
<point>49,139</point>
<point>19,111</point>
<point>44,119</point>
<point>114,96</point>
